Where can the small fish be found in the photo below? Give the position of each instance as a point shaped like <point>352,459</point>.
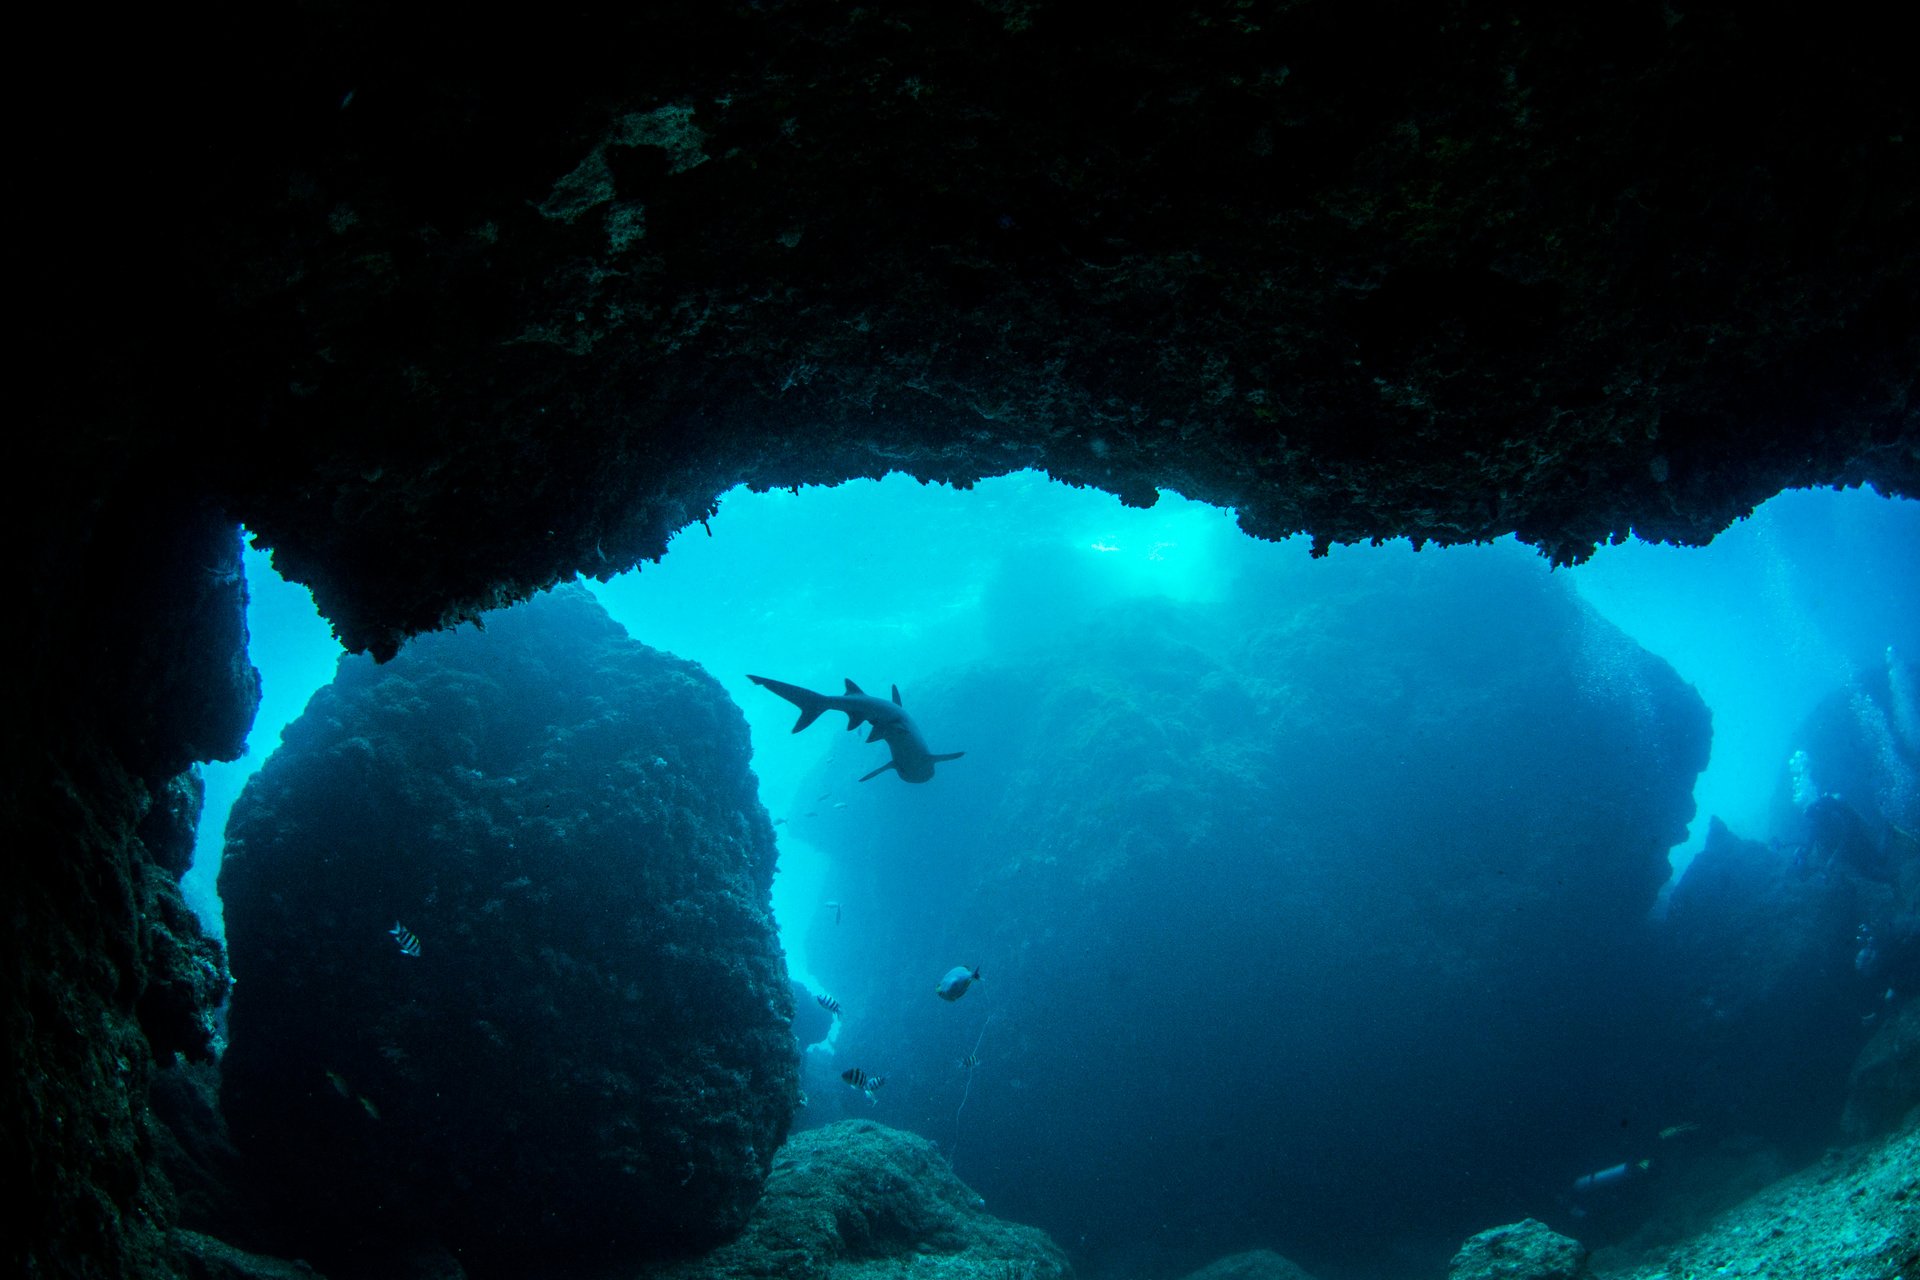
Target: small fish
<point>839,804</point>
<point>861,1080</point>
<point>409,940</point>
<point>1676,1130</point>
<point>339,1084</point>
<point>805,1101</point>
<point>969,1062</point>
<point>828,1003</point>
<point>372,1110</point>
<point>955,983</point>
<point>836,911</point>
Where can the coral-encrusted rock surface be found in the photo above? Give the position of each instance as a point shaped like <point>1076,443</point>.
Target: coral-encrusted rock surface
<point>103,969</point>
<point>1252,892</point>
<point>590,1055</point>
<point>857,1199</point>
<point>1522,1251</point>
<point>1853,1216</point>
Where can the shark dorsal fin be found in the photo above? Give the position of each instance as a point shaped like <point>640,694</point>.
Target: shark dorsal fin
<point>896,696</point>
<point>852,687</point>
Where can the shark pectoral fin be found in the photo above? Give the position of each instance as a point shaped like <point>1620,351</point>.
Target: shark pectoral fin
<point>853,688</point>
<point>896,696</point>
<point>951,755</point>
<point>877,772</point>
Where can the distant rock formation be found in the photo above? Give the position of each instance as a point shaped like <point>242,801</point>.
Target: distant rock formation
<point>1884,1086</point>
<point>1769,1001</point>
<point>1273,892</point>
<point>590,1054</point>
<point>851,1195</point>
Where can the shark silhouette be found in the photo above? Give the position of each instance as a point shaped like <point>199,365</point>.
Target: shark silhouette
<point>891,724</point>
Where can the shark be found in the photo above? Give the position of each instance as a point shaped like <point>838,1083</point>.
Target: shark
<point>891,725</point>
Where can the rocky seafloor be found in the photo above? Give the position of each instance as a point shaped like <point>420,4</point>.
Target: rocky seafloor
<point>859,1201</point>
<point>1853,1215</point>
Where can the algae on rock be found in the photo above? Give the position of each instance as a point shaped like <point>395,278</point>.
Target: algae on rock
<point>857,1199</point>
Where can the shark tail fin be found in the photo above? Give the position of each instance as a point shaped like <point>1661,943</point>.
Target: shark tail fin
<point>877,772</point>
<point>811,704</point>
<point>951,755</point>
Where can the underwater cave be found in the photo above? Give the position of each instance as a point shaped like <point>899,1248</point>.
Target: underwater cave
<point>447,315</point>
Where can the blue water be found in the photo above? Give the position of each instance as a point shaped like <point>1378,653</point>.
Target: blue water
<point>926,588</point>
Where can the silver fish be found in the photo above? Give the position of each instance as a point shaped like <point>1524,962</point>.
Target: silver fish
<point>955,983</point>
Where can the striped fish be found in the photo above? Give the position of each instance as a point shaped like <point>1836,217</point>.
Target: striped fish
<point>409,940</point>
<point>828,1003</point>
<point>862,1081</point>
<point>971,1061</point>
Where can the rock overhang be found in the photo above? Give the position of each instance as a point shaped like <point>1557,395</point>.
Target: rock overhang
<point>493,307</point>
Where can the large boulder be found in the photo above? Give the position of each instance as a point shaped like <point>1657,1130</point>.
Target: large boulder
<point>1329,901</point>
<point>1521,1251</point>
<point>857,1199</point>
<point>590,1054</point>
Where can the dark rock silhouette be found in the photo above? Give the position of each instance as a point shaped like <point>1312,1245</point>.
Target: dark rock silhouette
<point>590,1055</point>
<point>1768,1000</point>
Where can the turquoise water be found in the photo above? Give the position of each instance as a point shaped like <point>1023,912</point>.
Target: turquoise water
<point>899,580</point>
<point>1205,1021</point>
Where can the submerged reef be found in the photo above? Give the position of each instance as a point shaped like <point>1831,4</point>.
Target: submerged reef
<point>1251,897</point>
<point>507,977</point>
<point>857,1199</point>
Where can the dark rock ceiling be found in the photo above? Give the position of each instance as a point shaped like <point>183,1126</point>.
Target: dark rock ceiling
<point>446,308</point>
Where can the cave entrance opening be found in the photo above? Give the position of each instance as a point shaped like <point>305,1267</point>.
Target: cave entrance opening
<point>893,582</point>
